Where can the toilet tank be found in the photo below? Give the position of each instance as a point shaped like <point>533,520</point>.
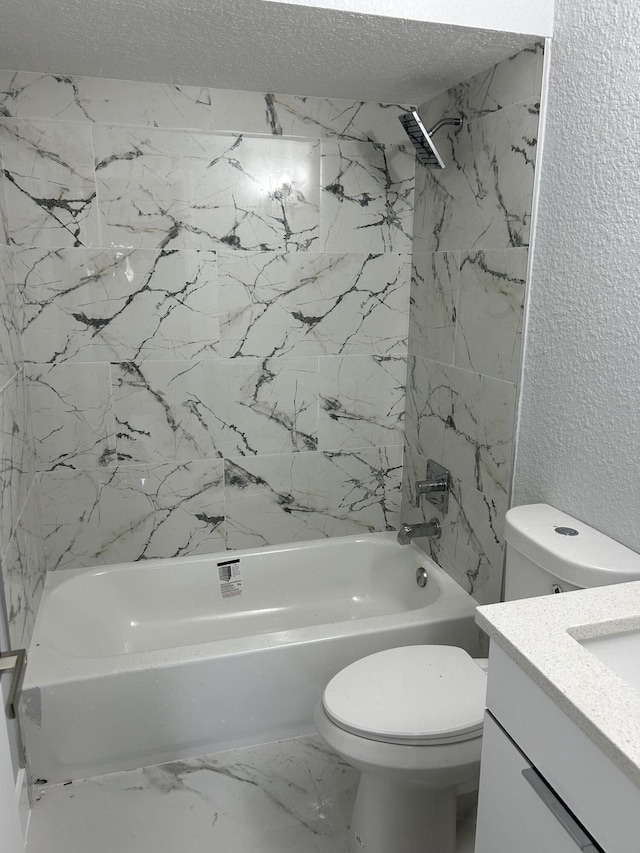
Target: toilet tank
<point>549,551</point>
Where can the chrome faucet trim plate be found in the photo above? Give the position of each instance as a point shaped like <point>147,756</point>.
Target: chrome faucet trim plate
<point>436,487</point>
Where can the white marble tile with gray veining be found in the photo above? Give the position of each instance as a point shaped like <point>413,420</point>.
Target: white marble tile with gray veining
<point>4,229</point>
<point>17,462</point>
<point>462,420</point>
<point>168,410</point>
<point>483,198</point>
<point>205,409</point>
<point>10,338</point>
<point>361,490</point>
<point>274,499</point>
<point>94,99</point>
<point>471,544</point>
<point>23,572</point>
<point>511,81</point>
<point>331,117</point>
<point>120,515</point>
<point>313,304</point>
<point>367,197</point>
<point>48,183</point>
<point>472,540</point>
<point>160,189</point>
<point>117,305</point>
<point>292,796</point>
<point>71,415</point>
<point>434,305</point>
<point>361,401</point>
<point>490,312</point>
<point>31,95</point>
<point>335,781</point>
<point>276,798</point>
<point>270,405</point>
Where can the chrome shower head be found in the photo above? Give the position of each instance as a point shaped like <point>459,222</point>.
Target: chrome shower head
<point>426,151</point>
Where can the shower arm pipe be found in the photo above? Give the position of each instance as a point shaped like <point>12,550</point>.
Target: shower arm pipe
<point>456,122</point>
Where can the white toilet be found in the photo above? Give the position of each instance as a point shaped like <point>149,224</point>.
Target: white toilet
<point>410,718</point>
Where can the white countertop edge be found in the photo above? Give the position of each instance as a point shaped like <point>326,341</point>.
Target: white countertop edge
<point>539,634</point>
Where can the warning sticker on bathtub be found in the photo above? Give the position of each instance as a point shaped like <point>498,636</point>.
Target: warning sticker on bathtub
<point>230,578</point>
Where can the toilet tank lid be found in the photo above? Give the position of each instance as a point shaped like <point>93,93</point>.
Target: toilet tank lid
<point>584,558</point>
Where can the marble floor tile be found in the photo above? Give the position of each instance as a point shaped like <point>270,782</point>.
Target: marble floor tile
<point>292,796</point>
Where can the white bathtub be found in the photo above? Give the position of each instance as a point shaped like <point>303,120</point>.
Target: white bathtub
<point>140,663</point>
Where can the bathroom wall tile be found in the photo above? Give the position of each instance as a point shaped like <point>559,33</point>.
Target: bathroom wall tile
<point>361,490</point>
<point>428,405</point>
<point>490,312</point>
<point>168,410</point>
<point>48,183</point>
<point>17,468</point>
<point>473,543</point>
<point>200,410</point>
<point>471,548</point>
<point>117,305</point>
<point>94,99</point>
<point>475,217</point>
<point>462,420</point>
<point>361,401</point>
<point>31,95</point>
<point>434,300</point>
<point>367,197</point>
<point>4,230</point>
<point>313,304</point>
<point>71,415</point>
<point>483,198</point>
<point>296,497</point>
<point>511,81</point>
<point>161,189</point>
<point>20,614</point>
<point>272,499</point>
<point>10,338</point>
<point>177,198</point>
<point>271,405</point>
<point>23,573</point>
<point>331,117</point>
<point>153,511</point>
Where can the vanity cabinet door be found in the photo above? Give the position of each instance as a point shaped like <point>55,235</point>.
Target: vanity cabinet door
<point>517,810</point>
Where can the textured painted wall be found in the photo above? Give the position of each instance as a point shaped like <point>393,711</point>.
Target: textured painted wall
<point>579,440</point>
<point>214,323</point>
<point>470,250</point>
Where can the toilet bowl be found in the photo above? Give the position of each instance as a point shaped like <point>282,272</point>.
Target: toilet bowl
<point>410,719</point>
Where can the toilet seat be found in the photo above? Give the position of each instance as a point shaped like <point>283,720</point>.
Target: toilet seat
<point>413,695</point>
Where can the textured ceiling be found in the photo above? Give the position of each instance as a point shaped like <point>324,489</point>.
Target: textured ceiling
<point>247,44</point>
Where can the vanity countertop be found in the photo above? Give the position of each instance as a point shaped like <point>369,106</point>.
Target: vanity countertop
<point>542,635</point>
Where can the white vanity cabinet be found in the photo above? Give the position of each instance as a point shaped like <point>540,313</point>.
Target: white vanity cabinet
<point>518,811</point>
<point>545,787</point>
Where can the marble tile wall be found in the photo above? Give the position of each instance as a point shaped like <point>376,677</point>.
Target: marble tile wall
<point>470,253</point>
<point>212,290</point>
<point>21,561</point>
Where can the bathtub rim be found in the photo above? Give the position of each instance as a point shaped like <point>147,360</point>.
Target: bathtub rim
<point>47,666</point>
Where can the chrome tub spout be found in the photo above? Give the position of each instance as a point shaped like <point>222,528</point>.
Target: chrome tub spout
<point>431,528</point>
